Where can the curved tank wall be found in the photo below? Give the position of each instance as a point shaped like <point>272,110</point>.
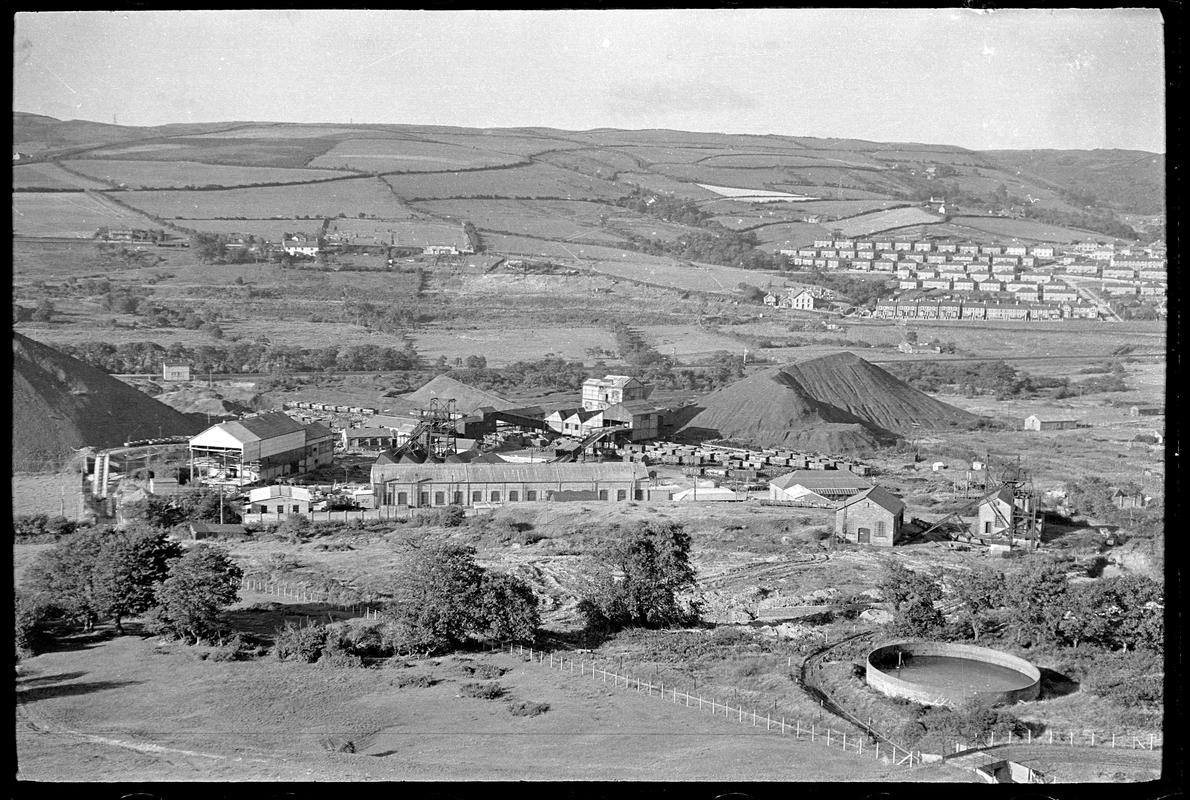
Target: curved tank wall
<point>922,690</point>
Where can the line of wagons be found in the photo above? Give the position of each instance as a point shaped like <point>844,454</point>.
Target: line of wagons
<point>329,407</point>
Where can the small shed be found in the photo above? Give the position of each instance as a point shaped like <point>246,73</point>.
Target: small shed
<point>279,499</point>
<point>1145,411</point>
<point>175,371</point>
<point>874,516</point>
<point>207,530</point>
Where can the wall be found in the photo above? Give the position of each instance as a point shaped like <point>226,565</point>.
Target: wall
<point>895,687</point>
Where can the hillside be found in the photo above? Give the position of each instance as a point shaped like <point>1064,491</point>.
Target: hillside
<point>836,403</point>
<point>431,169</point>
<point>1130,181</point>
<point>60,404</point>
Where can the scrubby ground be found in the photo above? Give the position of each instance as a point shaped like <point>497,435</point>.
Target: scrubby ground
<point>133,708</point>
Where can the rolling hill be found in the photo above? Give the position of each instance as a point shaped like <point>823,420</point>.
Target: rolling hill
<point>1083,189</point>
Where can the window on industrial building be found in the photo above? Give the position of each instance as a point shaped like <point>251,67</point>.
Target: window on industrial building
<point>621,494</point>
<point>297,509</point>
<point>402,498</point>
<point>531,495</point>
<point>458,498</point>
<point>987,527</point>
<point>603,494</point>
<point>280,509</point>
<point>513,497</point>
<point>880,534</point>
<point>476,497</point>
<point>439,498</point>
<point>495,497</point>
<point>425,499</point>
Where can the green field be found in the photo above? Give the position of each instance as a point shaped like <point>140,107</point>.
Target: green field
<point>71,214</point>
<point>406,155</point>
<point>271,229</point>
<point>223,149</point>
<point>564,220</point>
<point>349,197</point>
<point>169,174</point>
<point>534,181</point>
<point>49,176</point>
<point>867,224</point>
<point>404,232</point>
<point>1024,229</point>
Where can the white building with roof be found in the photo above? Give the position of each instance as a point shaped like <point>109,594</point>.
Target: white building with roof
<point>260,447</point>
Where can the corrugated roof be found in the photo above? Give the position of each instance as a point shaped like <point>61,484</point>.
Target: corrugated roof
<point>316,430</point>
<point>881,497</point>
<point>816,479</point>
<point>508,473</point>
<point>267,426</point>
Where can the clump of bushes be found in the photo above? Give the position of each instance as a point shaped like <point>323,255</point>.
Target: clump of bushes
<point>419,681</point>
<point>483,690</point>
<point>527,708</point>
<point>484,672</point>
<point>41,528</point>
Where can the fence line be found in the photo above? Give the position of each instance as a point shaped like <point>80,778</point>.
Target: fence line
<point>1073,738</point>
<point>853,743</point>
<point>296,591</point>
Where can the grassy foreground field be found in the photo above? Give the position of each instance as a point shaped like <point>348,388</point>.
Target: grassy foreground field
<point>132,707</point>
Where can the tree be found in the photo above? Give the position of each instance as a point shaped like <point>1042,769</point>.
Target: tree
<point>63,577</point>
<point>643,579</point>
<point>127,568</point>
<point>980,592</point>
<point>508,608</point>
<point>200,584</point>
<point>912,595</point>
<point>1037,599</point>
<point>442,598</point>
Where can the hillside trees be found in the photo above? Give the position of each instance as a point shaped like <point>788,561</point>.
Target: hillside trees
<point>102,574</point>
<point>980,592</point>
<point>199,585</point>
<point>1038,601</point>
<point>643,579</point>
<point>913,595</point>
<point>442,598</point>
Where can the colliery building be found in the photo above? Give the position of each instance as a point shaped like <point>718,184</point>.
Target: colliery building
<point>423,485</point>
<point>260,448</point>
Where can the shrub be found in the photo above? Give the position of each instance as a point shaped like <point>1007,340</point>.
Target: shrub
<point>484,691</point>
<point>527,708</point>
<point>300,643</point>
<point>419,681</point>
<point>484,672</point>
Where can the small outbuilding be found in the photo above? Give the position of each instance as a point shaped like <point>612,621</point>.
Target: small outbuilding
<point>279,499</point>
<point>1033,422</point>
<point>816,487</point>
<point>175,371</point>
<point>874,516</point>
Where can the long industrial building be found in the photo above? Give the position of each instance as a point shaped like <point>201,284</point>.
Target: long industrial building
<point>260,448</point>
<point>421,485</point>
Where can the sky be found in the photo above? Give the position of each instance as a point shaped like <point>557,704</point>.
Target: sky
<point>1005,79</point>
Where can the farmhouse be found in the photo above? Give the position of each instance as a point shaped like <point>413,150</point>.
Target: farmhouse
<point>873,516</point>
<point>599,393</point>
<point>806,301</point>
<point>299,244</point>
<point>175,371</point>
<point>423,485</point>
<point>816,487</point>
<point>1035,423</point>
<point>260,447</point>
<point>279,500</point>
<point>1145,411</point>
